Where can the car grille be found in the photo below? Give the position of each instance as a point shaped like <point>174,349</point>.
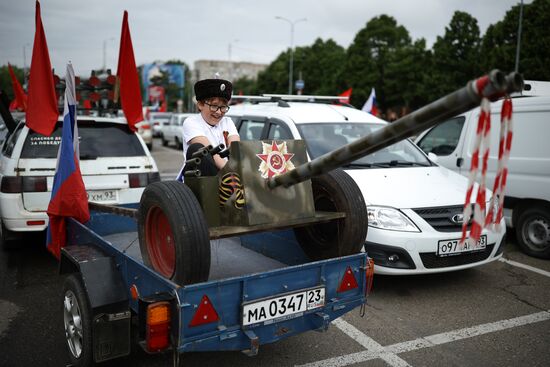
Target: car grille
<point>441,218</point>
<point>431,260</point>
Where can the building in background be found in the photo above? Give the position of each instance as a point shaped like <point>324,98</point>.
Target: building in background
<point>230,70</point>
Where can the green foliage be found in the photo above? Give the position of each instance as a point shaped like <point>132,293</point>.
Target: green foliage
<point>456,55</point>
<point>370,57</point>
<point>499,44</point>
<point>244,86</point>
<point>5,79</point>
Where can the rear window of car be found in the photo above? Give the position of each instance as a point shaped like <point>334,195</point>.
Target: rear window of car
<point>97,139</point>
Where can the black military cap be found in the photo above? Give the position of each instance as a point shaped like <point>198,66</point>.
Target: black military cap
<point>210,88</point>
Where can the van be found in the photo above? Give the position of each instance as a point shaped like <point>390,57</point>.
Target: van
<point>527,194</point>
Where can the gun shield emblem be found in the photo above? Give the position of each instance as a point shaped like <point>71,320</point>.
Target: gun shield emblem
<point>231,184</point>
<point>275,159</point>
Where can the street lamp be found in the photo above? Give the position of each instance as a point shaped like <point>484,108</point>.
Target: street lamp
<point>104,68</point>
<point>291,63</point>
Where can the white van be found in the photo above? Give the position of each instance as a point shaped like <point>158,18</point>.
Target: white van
<point>527,196</point>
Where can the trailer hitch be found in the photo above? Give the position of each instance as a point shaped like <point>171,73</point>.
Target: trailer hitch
<point>254,343</point>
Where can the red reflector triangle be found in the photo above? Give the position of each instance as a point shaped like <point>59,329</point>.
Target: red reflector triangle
<point>206,313</point>
<point>348,281</point>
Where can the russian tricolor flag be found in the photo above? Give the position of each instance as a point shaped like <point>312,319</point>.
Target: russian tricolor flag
<point>69,198</point>
<point>370,104</point>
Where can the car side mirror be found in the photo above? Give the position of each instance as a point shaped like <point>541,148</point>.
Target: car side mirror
<point>432,157</point>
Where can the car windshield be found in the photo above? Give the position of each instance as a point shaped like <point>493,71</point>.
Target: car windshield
<point>97,139</point>
<point>322,138</point>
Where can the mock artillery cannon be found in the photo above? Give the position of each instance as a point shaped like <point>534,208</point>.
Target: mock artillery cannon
<point>270,185</point>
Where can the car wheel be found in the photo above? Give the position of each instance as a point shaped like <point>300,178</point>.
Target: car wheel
<point>150,146</point>
<point>77,319</point>
<point>173,233</point>
<point>164,141</point>
<point>179,144</point>
<point>335,191</point>
<point>533,232</point>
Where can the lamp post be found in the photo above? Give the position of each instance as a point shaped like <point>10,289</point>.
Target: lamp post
<point>291,63</point>
<point>25,72</point>
<point>516,69</point>
<point>104,67</point>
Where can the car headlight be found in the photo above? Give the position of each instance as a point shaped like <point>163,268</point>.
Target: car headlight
<point>390,218</point>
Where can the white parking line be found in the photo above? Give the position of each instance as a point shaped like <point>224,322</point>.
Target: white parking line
<point>526,267</point>
<point>389,353</point>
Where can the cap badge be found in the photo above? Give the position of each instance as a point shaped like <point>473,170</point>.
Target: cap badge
<point>222,87</point>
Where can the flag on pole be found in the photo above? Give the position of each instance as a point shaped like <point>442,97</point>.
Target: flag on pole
<point>42,111</point>
<point>370,104</point>
<point>69,198</point>
<point>20,96</point>
<point>346,96</point>
<point>127,78</point>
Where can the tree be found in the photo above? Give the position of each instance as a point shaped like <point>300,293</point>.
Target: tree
<point>500,41</point>
<point>274,79</point>
<point>5,79</point>
<point>456,55</point>
<point>373,48</point>
<point>244,85</point>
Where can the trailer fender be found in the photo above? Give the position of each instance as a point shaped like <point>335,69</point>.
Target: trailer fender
<point>102,281</point>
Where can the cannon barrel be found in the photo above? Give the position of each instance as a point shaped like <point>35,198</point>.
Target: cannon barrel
<point>491,86</point>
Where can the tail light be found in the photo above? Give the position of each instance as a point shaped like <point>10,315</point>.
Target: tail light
<point>13,185</point>
<point>145,126</point>
<point>142,179</point>
<point>158,326</point>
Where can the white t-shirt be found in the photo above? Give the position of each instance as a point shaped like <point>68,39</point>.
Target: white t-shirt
<point>195,125</point>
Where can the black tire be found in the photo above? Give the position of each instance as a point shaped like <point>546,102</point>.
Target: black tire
<point>173,233</point>
<point>179,144</point>
<point>164,141</point>
<point>533,232</point>
<point>335,191</point>
<point>77,318</point>
<point>150,146</point>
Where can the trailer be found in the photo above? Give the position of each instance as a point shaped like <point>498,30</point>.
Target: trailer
<point>248,300</point>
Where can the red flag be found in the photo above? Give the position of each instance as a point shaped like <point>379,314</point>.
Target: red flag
<point>128,81</point>
<point>20,96</point>
<point>164,106</point>
<point>42,104</point>
<point>346,94</point>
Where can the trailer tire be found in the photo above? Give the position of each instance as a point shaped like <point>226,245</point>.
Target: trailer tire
<point>77,318</point>
<point>335,191</point>
<point>173,233</point>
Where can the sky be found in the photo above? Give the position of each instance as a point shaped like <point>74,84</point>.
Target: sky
<point>236,30</point>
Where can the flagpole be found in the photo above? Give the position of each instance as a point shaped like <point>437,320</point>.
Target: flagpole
<point>516,69</point>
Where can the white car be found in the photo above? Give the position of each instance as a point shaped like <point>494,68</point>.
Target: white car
<point>158,120</point>
<point>414,206</point>
<point>172,133</point>
<point>115,164</point>
<point>146,133</point>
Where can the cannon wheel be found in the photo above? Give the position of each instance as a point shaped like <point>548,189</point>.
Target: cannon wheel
<point>173,234</point>
<point>335,191</point>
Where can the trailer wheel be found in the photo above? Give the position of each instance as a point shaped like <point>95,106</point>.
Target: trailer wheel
<point>533,232</point>
<point>77,318</point>
<point>173,234</point>
<point>335,191</point>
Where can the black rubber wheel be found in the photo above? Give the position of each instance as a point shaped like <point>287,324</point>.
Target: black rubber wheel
<point>77,318</point>
<point>533,232</point>
<point>150,147</point>
<point>335,191</point>
<point>164,142</point>
<point>173,233</point>
<point>179,144</point>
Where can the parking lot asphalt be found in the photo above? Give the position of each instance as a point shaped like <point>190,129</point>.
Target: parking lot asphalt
<point>494,315</point>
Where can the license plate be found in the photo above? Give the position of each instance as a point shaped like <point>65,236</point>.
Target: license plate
<point>453,247</point>
<point>103,195</point>
<point>283,307</point>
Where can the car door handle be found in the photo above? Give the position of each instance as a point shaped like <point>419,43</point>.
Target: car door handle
<point>459,162</point>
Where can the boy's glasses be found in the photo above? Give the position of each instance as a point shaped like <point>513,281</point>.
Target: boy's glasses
<point>214,108</point>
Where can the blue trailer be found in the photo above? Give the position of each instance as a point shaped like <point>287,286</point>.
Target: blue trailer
<point>109,294</point>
